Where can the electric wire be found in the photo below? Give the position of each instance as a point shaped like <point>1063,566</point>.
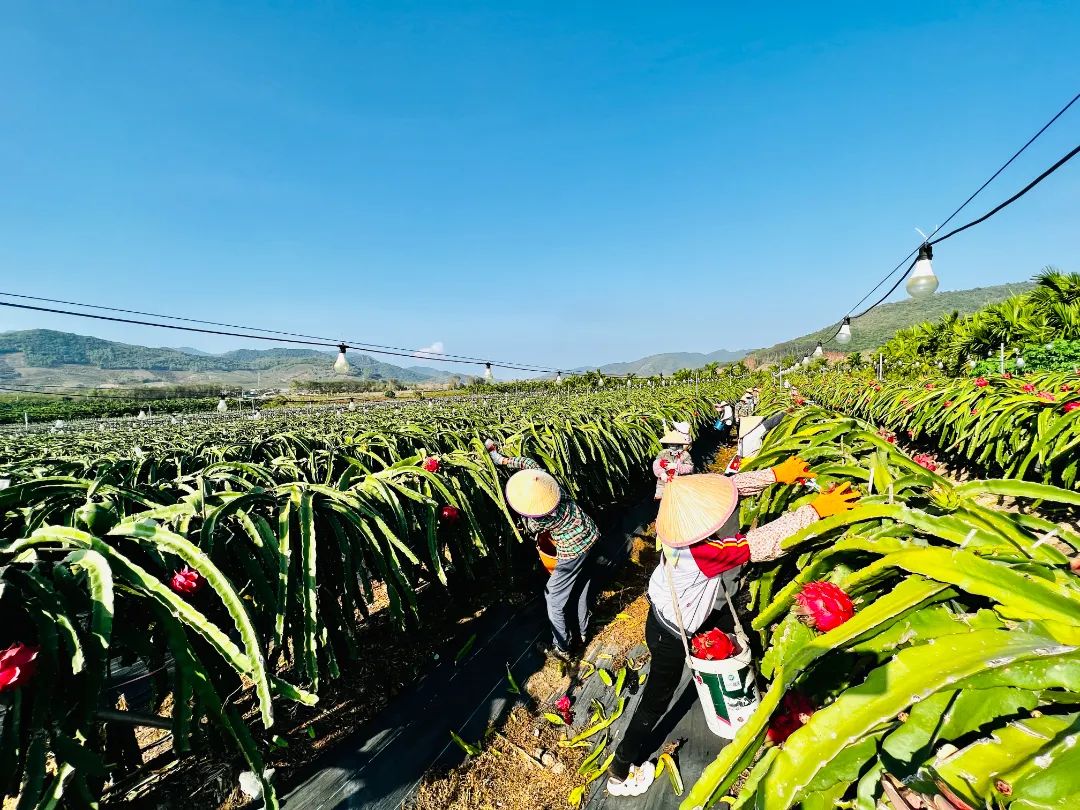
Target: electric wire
<point>419,354</point>
<point>321,342</point>
<point>961,207</point>
<point>1001,206</point>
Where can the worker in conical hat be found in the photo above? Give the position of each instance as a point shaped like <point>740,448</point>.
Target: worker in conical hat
<point>535,495</point>
<point>674,459</point>
<point>704,551</point>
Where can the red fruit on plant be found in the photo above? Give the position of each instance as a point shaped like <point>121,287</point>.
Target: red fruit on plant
<point>1007,376</point>
<point>794,712</point>
<point>713,645</point>
<point>18,663</point>
<point>947,403</point>
<point>926,460</point>
<point>431,464</point>
<point>449,514</point>
<point>823,606</point>
<point>1069,407</point>
<point>187,580</point>
<point>982,382</point>
<point>563,703</point>
<point>1027,388</point>
<point>1045,396</point>
<point>929,386</point>
<point>1066,388</point>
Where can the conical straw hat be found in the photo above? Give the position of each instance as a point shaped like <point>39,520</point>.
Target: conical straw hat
<point>532,493</point>
<point>675,437</point>
<point>694,507</point>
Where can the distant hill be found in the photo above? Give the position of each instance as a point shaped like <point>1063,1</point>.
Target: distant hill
<point>44,356</point>
<point>877,326</point>
<point>670,362</point>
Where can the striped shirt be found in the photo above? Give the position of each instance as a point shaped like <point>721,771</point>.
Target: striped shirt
<point>571,529</point>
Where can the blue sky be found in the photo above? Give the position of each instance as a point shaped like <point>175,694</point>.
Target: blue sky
<point>551,183</point>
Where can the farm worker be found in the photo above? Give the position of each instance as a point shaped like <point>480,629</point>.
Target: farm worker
<point>698,525</point>
<point>674,459</point>
<point>536,496</point>
<point>725,419</point>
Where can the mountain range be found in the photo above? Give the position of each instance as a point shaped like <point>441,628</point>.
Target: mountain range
<point>47,357</point>
<point>868,332</point>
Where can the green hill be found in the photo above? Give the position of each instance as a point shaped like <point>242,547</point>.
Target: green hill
<point>45,356</point>
<point>877,326</point>
<point>670,362</point>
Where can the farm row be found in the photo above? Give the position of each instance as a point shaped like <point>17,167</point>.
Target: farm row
<point>922,649</point>
<point>1003,425</point>
<point>238,558</point>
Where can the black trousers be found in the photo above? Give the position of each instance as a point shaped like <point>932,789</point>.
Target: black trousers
<point>665,672</point>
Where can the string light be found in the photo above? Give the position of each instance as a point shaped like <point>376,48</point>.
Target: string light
<point>222,406</point>
<point>922,283</point>
<point>844,335</point>
<point>558,378</point>
<point>341,365</point>
<point>818,352</point>
<point>487,373</point>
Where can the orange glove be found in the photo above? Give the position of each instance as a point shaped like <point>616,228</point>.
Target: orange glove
<point>837,500</point>
<point>790,471</point>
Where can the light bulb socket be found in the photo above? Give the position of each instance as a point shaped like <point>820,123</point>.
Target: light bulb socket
<point>926,251</point>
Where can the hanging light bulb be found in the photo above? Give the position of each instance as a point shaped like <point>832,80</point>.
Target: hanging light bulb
<point>1019,362</point>
<point>558,378</point>
<point>628,382</point>
<point>222,406</point>
<point>941,364</point>
<point>341,365</point>
<point>922,282</point>
<point>601,381</point>
<point>971,363</point>
<point>818,352</point>
<point>844,335</point>
<point>806,360</point>
<point>487,373</point>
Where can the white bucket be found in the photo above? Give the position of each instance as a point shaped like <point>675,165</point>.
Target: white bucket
<point>727,690</point>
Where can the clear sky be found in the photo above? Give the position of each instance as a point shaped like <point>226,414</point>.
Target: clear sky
<point>561,184</point>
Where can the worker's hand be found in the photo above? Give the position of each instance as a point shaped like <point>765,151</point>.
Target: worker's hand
<point>792,470</point>
<point>837,500</point>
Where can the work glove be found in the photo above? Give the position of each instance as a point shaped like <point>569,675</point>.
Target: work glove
<point>835,501</point>
<point>792,470</point>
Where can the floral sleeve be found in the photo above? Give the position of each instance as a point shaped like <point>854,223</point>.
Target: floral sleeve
<point>520,463</point>
<point>765,541</point>
<point>751,483</point>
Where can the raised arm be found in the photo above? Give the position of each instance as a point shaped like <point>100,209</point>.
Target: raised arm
<point>787,472</point>
<point>764,541</point>
<point>511,462</point>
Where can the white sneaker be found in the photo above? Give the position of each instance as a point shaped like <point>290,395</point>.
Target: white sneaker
<point>637,781</point>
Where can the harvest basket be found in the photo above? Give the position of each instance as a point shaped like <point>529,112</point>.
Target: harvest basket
<point>545,547</point>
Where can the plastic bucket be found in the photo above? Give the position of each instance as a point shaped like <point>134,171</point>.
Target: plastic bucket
<point>545,547</point>
<point>727,691</point>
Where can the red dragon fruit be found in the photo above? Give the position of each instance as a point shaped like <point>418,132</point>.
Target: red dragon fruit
<point>794,712</point>
<point>431,464</point>
<point>823,606</point>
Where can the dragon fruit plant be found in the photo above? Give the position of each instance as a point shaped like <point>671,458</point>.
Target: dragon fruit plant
<point>956,683</point>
